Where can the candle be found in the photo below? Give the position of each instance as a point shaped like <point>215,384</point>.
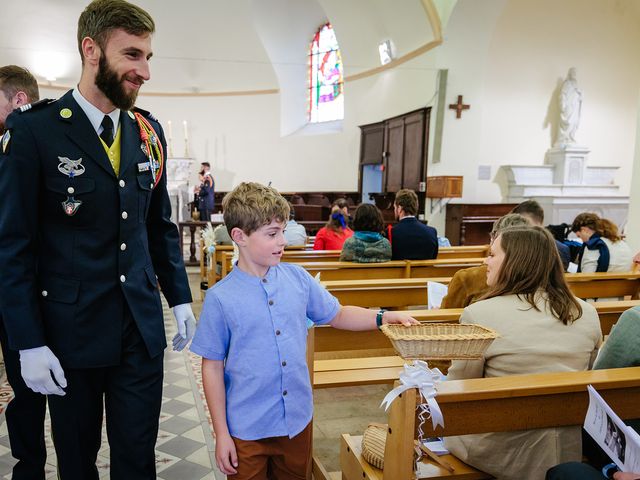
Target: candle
<point>186,136</point>
<point>169,130</point>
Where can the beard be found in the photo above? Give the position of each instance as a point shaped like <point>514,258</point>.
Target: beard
<point>108,82</point>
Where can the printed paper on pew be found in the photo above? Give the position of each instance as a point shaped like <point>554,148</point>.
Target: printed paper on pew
<point>618,440</point>
<point>435,293</point>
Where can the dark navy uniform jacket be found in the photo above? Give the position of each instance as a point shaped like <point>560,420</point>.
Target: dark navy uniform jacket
<point>64,279</point>
<point>413,240</point>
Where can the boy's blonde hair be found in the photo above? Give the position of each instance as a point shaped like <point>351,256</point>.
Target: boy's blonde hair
<point>251,205</point>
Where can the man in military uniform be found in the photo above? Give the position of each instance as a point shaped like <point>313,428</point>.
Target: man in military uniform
<point>85,238</point>
<point>25,412</point>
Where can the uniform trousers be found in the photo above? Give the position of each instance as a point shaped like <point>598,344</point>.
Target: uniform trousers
<point>25,419</point>
<point>275,458</point>
<point>131,394</point>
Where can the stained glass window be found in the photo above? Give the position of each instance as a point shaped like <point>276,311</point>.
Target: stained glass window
<point>326,83</point>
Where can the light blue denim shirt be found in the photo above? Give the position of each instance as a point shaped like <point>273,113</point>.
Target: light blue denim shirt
<point>259,327</point>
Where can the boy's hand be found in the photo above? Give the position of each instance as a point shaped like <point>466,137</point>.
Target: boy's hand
<point>226,456</point>
<point>405,319</point>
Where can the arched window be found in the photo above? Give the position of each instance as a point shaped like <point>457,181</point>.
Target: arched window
<point>326,82</point>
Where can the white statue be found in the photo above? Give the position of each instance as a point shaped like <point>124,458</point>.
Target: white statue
<point>570,108</point>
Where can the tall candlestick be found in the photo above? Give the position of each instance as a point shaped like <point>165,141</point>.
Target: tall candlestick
<point>169,139</point>
<point>186,139</point>
<point>170,136</point>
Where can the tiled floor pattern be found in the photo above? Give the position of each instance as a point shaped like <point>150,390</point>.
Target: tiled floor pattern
<point>185,446</point>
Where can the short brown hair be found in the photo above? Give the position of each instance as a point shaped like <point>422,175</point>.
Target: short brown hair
<point>507,221</point>
<point>531,267</point>
<point>532,209</point>
<point>102,17</point>
<point>603,227</point>
<point>14,79</point>
<point>408,200</point>
<point>367,219</point>
<point>251,205</point>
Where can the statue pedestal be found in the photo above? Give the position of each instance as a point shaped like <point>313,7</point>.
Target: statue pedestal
<point>570,164</point>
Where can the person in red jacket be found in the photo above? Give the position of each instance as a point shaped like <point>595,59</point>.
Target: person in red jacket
<point>333,235</point>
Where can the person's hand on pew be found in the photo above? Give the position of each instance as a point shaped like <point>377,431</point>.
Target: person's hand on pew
<point>626,476</point>
<point>389,317</point>
<point>358,318</point>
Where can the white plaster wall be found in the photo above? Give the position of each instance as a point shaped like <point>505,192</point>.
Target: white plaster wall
<point>508,58</point>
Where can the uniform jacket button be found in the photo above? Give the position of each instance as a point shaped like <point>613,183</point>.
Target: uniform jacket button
<point>124,215</point>
<point>122,278</point>
<point>71,190</point>
<point>121,183</point>
<point>123,247</point>
<point>44,293</point>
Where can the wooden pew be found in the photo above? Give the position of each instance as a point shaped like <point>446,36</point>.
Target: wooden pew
<point>499,404</point>
<point>392,269</point>
<point>405,292</point>
<point>347,358</point>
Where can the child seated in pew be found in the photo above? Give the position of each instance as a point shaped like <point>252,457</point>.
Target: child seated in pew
<point>469,284</point>
<point>542,328</point>
<point>252,337</point>
<point>367,245</point>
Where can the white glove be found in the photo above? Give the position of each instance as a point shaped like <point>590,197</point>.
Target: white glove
<point>37,365</point>
<point>186,323</point>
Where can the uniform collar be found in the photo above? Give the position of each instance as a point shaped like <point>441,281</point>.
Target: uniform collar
<point>94,114</point>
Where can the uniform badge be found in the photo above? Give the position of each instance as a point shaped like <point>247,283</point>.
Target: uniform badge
<point>71,206</point>
<point>145,150</point>
<point>143,167</point>
<point>5,141</point>
<point>70,168</point>
<point>66,113</point>
<point>131,115</point>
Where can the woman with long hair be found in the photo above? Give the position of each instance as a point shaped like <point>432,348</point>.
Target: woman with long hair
<point>603,249</point>
<point>367,245</point>
<point>543,327</point>
<point>333,235</point>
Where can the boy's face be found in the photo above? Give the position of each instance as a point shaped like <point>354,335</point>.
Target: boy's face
<point>262,249</point>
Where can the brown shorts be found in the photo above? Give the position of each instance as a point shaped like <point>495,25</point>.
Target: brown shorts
<point>275,458</point>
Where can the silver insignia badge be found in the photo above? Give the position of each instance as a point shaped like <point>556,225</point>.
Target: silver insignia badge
<point>143,167</point>
<point>5,141</point>
<point>70,168</point>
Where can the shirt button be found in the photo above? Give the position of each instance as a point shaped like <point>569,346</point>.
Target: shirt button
<point>124,215</point>
<point>277,332</point>
<point>44,293</point>
<point>264,280</point>
<point>122,278</point>
<point>284,394</point>
<point>71,190</point>
<point>270,302</point>
<point>121,183</point>
<point>123,247</point>
<point>284,363</point>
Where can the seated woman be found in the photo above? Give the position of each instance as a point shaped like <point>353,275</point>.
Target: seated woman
<point>333,235</point>
<point>366,245</point>
<point>542,328</point>
<point>469,284</point>
<point>603,249</point>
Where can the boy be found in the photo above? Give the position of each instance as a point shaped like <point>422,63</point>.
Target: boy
<point>252,337</point>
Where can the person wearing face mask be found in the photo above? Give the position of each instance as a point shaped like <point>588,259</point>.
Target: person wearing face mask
<point>542,328</point>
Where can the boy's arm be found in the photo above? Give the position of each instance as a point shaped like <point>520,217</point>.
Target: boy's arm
<point>358,318</point>
<point>214,392</point>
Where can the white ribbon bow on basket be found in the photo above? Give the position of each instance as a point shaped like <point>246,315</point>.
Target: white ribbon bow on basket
<point>419,375</point>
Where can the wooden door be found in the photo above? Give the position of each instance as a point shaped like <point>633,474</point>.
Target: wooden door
<point>394,153</point>
<point>414,162</point>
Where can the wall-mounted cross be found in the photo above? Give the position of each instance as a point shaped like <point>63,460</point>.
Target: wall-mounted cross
<point>459,107</point>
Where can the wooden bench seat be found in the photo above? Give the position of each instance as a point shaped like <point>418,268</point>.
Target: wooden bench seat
<point>413,291</point>
<point>348,358</point>
<point>500,404</point>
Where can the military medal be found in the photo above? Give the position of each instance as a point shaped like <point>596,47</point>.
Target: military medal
<point>70,168</point>
<point>152,149</point>
<point>5,141</point>
<point>71,206</point>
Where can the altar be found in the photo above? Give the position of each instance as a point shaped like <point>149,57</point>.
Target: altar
<point>179,187</point>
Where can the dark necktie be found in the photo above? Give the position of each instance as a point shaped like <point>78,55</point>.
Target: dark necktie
<point>107,130</point>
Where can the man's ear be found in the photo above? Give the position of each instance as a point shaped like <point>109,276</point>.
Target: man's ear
<point>238,236</point>
<point>19,99</point>
<point>90,51</point>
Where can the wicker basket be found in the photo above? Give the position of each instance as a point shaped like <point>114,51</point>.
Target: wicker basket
<point>440,341</point>
<point>373,441</point>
